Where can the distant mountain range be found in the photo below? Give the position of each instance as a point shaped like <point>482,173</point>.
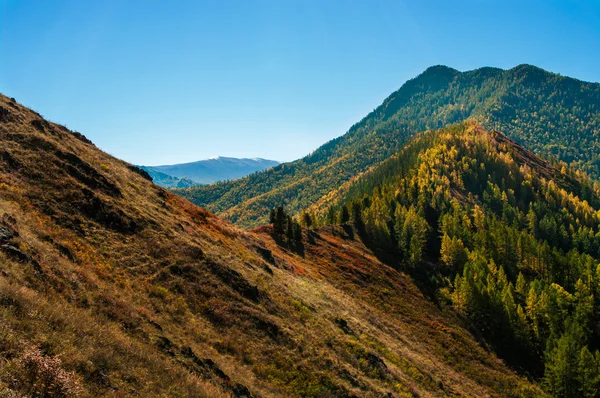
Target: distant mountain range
<point>552,115</point>
<point>219,168</point>
<point>447,245</point>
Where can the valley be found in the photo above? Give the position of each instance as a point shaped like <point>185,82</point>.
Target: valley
<point>112,285</point>
<point>447,245</point>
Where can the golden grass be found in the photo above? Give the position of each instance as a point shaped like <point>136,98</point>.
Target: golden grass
<point>141,293</point>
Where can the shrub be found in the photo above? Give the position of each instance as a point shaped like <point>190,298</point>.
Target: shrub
<point>43,376</point>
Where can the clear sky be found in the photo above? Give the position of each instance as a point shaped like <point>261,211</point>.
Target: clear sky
<point>158,82</point>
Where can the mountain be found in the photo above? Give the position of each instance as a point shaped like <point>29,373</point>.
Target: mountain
<point>167,181</point>
<point>552,115</point>
<point>206,171</point>
<point>112,286</point>
<point>511,240</point>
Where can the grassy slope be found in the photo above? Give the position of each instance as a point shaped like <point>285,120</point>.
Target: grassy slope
<point>140,293</point>
<point>550,114</point>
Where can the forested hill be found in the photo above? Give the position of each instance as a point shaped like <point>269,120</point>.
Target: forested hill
<point>510,240</point>
<point>112,286</point>
<point>549,114</point>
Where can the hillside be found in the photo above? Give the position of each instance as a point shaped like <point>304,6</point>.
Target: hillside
<point>549,114</point>
<point>112,286</point>
<point>206,171</point>
<point>507,238</point>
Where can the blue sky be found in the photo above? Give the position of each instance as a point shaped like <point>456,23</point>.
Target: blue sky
<point>158,82</point>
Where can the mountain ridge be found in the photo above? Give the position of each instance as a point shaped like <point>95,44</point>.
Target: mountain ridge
<point>206,171</point>
<point>110,284</point>
<point>511,239</point>
<point>552,115</point>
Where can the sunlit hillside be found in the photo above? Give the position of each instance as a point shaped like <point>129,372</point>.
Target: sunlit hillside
<point>112,286</point>
<point>551,115</point>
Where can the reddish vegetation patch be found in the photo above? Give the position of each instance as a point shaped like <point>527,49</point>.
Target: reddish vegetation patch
<point>141,293</point>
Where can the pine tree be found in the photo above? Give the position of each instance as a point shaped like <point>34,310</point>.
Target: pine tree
<point>452,253</point>
<point>532,222</point>
<point>531,308</point>
<point>412,235</point>
<point>357,219</point>
<point>521,287</point>
<point>280,221</point>
<point>297,232</point>
<point>331,216</point>
<point>289,229</point>
<point>307,220</point>
<point>345,215</point>
<point>562,365</point>
<point>588,374</point>
<point>584,309</point>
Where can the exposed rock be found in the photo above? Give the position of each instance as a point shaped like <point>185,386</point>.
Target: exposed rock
<point>91,206</point>
<point>165,345</point>
<point>82,138</point>
<point>15,253</point>
<point>139,171</point>
<point>208,368</point>
<point>266,254</point>
<point>6,234</point>
<point>5,115</point>
<point>343,324</point>
<point>65,251</point>
<point>39,125</point>
<point>235,280</point>
<point>31,142</point>
<point>86,174</point>
<point>377,365</point>
<point>9,160</point>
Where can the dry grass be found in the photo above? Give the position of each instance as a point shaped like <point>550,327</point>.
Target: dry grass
<point>139,293</point>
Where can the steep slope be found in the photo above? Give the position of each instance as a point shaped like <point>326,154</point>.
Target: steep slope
<point>548,113</point>
<point>511,240</point>
<point>212,170</point>
<point>112,286</point>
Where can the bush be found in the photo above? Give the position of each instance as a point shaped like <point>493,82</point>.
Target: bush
<point>42,376</point>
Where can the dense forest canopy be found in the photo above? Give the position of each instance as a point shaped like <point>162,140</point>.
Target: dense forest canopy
<point>509,239</point>
<point>555,116</point>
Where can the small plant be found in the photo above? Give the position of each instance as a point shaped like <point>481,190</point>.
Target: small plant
<point>160,292</point>
<point>44,376</point>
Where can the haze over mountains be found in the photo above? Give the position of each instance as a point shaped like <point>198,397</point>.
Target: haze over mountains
<point>206,171</point>
<point>549,114</point>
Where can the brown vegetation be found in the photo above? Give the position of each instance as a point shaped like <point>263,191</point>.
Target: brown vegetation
<point>112,286</point>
